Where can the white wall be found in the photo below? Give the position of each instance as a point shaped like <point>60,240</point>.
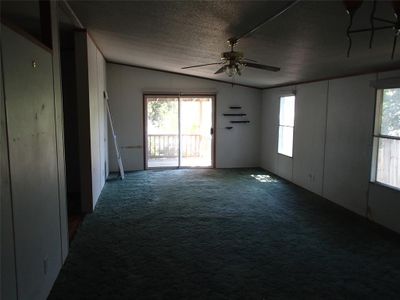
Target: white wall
<point>98,128</point>
<point>8,285</point>
<point>90,82</point>
<point>332,144</point>
<point>59,116</point>
<point>309,137</point>
<point>238,147</point>
<point>349,141</point>
<point>33,166</point>
<point>33,246</point>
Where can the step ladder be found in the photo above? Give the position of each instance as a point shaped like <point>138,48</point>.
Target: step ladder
<point>117,152</point>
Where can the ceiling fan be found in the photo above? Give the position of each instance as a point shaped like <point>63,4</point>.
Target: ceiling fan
<point>233,62</point>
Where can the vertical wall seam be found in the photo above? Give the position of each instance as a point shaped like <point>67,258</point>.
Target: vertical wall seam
<point>82,92</point>
<point>294,129</point>
<point>214,136</point>
<point>60,139</point>
<point>98,121</point>
<point>57,152</point>
<point>368,212</point>
<point>260,124</point>
<point>57,155</point>
<point>261,130</point>
<point>9,172</point>
<point>179,132</point>
<point>325,138</point>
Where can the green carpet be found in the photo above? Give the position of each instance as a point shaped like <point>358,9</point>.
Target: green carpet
<point>225,234</point>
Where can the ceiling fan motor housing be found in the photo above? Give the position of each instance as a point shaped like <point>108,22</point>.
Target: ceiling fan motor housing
<point>232,56</point>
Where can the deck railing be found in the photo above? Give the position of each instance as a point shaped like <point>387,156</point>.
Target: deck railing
<point>167,145</point>
<point>389,163</point>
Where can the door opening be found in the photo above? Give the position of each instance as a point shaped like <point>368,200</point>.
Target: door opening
<point>179,131</point>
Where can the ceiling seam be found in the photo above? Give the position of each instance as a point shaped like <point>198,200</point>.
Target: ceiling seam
<point>182,74</point>
<point>331,78</point>
<point>72,14</point>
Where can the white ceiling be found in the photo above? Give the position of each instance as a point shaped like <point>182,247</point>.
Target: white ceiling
<point>308,42</point>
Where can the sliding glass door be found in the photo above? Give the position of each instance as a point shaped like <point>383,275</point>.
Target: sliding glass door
<point>196,131</point>
<point>179,131</point>
<point>162,132</point>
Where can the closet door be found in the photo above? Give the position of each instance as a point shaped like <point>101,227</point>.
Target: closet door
<point>29,99</point>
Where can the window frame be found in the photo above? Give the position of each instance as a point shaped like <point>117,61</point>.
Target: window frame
<point>287,126</point>
<point>376,136</point>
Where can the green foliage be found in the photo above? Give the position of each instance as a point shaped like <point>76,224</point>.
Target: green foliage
<point>157,110</point>
<point>391,112</point>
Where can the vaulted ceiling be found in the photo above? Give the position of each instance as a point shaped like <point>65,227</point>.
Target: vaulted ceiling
<point>308,41</point>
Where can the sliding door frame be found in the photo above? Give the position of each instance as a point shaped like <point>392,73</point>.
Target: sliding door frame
<point>181,95</point>
<point>145,96</point>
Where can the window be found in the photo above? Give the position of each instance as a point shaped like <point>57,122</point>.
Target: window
<point>286,126</point>
<point>386,160</point>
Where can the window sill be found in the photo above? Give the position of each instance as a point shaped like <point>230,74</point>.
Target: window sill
<point>285,155</point>
<point>386,186</point>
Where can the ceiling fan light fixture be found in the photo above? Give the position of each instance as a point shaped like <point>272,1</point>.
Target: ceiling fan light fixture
<point>234,69</point>
<point>230,70</point>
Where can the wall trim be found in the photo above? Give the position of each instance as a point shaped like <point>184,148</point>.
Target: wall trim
<point>68,9</point>
<point>386,83</point>
<point>331,78</point>
<point>26,35</point>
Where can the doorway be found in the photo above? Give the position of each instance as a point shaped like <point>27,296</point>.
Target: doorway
<point>179,131</point>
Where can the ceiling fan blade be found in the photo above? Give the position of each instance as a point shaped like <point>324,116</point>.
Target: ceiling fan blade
<point>262,67</point>
<point>220,70</point>
<point>203,65</point>
<point>248,59</point>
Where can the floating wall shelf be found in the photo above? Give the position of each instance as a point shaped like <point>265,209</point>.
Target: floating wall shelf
<point>238,114</point>
<point>240,121</point>
<point>234,115</point>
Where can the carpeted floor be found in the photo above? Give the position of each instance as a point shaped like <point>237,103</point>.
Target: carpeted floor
<point>225,234</point>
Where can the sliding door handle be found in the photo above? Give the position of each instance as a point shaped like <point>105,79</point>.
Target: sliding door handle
<point>211,131</point>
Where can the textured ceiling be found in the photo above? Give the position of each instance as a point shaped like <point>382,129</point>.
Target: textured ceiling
<point>308,41</point>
